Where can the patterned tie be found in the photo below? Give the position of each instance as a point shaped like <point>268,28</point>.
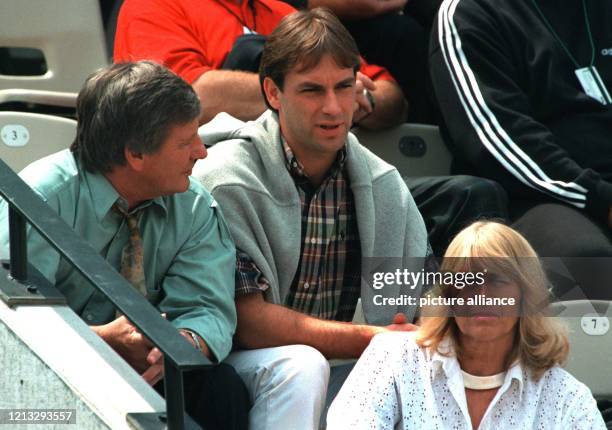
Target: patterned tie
<point>132,256</point>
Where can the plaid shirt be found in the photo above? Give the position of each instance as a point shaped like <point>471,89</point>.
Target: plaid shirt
<point>327,281</point>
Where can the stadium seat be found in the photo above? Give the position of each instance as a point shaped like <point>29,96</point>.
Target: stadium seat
<point>69,34</point>
<point>414,149</point>
<point>26,137</point>
<point>590,337</point>
<point>51,98</point>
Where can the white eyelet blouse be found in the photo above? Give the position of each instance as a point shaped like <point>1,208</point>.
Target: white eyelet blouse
<point>398,385</point>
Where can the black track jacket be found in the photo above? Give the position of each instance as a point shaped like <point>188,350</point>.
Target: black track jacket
<point>513,109</point>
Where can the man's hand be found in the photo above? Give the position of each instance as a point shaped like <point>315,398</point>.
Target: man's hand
<point>363,107</point>
<point>391,106</point>
<point>127,341</point>
<point>399,323</point>
<point>136,349</point>
<point>155,372</point>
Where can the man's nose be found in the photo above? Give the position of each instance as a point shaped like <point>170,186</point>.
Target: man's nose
<point>200,151</point>
<point>332,105</point>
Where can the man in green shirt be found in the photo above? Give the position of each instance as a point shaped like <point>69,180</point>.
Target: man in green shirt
<point>124,186</point>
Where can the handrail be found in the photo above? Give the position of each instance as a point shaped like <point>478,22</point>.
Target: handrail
<point>54,98</point>
<point>26,206</point>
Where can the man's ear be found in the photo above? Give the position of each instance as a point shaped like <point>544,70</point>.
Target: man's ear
<point>272,92</point>
<point>135,160</point>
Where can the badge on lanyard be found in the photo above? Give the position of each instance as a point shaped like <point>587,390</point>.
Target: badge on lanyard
<point>592,84</point>
<point>589,78</point>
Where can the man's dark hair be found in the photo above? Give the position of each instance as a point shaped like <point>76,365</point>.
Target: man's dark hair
<point>302,39</point>
<point>131,105</point>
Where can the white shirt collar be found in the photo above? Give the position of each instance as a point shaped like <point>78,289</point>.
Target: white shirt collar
<point>449,365</point>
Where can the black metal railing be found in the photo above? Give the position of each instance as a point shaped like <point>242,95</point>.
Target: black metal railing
<point>179,355</point>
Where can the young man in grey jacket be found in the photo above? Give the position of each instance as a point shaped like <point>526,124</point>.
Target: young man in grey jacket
<point>314,216</point>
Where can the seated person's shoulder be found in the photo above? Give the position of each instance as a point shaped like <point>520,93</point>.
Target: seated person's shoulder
<point>53,174</point>
<point>197,202</point>
<point>571,398</point>
<point>196,193</point>
<point>470,14</point>
<point>559,380</point>
<point>398,346</point>
<point>240,153</point>
<point>399,355</point>
<point>194,210</point>
<point>231,162</point>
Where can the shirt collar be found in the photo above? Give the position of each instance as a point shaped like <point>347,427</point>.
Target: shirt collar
<point>449,366</point>
<point>124,205</point>
<point>445,360</point>
<point>101,192</point>
<point>296,169</point>
<point>515,372</point>
<point>104,194</point>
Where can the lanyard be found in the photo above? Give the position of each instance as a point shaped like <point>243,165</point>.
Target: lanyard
<point>241,19</point>
<point>556,36</point>
<point>589,78</point>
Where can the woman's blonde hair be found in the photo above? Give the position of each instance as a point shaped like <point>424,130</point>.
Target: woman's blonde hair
<point>540,341</point>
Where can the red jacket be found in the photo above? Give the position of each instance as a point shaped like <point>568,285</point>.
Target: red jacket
<point>193,36</point>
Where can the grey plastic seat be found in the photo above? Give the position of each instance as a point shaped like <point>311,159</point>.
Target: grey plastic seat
<point>590,334</point>
<point>68,32</point>
<point>26,137</point>
<point>414,149</point>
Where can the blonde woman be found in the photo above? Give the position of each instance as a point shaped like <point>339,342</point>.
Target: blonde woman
<point>476,367</point>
